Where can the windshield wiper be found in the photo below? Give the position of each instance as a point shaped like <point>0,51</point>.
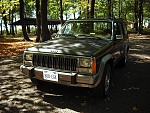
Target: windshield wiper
<point>95,37</point>
<point>88,36</point>
<point>72,35</point>
<point>81,35</point>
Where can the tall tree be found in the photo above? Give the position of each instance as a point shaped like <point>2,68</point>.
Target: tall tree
<point>136,14</point>
<point>92,8</point>
<point>119,9</point>
<point>45,31</point>
<point>11,21</point>
<point>5,21</point>
<point>61,12</point>
<point>109,8</point>
<point>1,28</point>
<point>38,20</point>
<point>88,10</point>
<point>140,16</point>
<point>22,20</point>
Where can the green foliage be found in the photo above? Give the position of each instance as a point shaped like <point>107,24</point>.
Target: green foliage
<point>70,7</point>
<point>30,8</point>
<point>8,5</point>
<point>77,8</point>
<point>146,9</point>
<point>53,9</point>
<point>101,8</point>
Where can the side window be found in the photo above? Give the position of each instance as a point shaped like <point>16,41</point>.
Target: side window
<point>124,27</point>
<point>118,30</point>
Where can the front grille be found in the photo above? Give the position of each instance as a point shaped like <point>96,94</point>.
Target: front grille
<point>55,62</point>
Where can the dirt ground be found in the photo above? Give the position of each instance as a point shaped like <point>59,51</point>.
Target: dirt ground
<point>130,92</point>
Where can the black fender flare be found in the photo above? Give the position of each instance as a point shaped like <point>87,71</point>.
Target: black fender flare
<point>104,61</point>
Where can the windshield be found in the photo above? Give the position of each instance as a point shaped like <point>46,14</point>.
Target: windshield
<point>86,29</point>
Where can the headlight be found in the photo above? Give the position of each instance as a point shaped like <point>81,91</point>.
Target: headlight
<point>87,65</point>
<point>28,56</point>
<point>85,62</point>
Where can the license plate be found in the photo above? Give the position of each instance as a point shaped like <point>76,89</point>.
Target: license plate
<point>49,75</point>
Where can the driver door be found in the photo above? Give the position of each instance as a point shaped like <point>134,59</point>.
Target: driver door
<point>118,42</point>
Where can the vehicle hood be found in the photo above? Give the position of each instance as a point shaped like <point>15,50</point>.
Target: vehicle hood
<point>68,46</point>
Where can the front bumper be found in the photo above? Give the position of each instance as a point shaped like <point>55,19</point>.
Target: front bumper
<point>64,78</point>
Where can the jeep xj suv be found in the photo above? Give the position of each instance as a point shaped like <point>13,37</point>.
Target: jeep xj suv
<point>82,54</point>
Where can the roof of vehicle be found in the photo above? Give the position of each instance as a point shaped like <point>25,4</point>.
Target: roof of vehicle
<point>32,21</point>
<point>99,19</point>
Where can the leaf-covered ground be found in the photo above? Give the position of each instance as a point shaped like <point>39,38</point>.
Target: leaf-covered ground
<point>13,46</point>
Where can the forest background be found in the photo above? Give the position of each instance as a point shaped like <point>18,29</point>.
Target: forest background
<point>135,12</point>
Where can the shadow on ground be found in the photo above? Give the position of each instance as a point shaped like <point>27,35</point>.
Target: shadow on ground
<point>129,88</point>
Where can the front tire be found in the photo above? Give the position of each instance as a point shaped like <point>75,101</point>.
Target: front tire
<point>102,88</point>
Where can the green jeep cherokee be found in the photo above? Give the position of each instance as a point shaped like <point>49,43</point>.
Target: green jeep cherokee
<point>82,54</point>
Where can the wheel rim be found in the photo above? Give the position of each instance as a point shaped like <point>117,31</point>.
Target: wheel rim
<point>107,81</point>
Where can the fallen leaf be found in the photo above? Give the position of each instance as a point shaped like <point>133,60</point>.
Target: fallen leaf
<point>62,102</point>
<point>106,99</point>
<point>37,101</point>
<point>134,108</point>
<point>83,104</point>
<point>13,46</point>
<point>16,102</point>
<point>133,88</point>
<point>107,108</point>
<point>3,97</point>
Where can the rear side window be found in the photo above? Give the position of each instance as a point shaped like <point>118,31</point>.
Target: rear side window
<point>119,30</point>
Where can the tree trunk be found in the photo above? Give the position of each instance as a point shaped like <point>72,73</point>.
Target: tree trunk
<point>22,20</point>
<point>66,16</point>
<point>109,8</point>
<point>10,22</point>
<point>92,8</point>
<point>119,9</point>
<point>12,27</point>
<point>15,26</point>
<point>88,12</point>
<point>136,15</point>
<point>1,28</point>
<point>45,31</point>
<point>61,12</point>
<point>92,14</point>
<point>140,17</point>
<point>5,21</point>
<point>38,21</point>
<point>74,15</point>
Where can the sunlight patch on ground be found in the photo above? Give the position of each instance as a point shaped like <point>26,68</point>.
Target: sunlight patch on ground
<point>146,58</point>
<point>66,110</point>
<point>139,36</point>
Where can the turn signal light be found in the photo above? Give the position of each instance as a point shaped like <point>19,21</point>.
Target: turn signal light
<point>94,66</point>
